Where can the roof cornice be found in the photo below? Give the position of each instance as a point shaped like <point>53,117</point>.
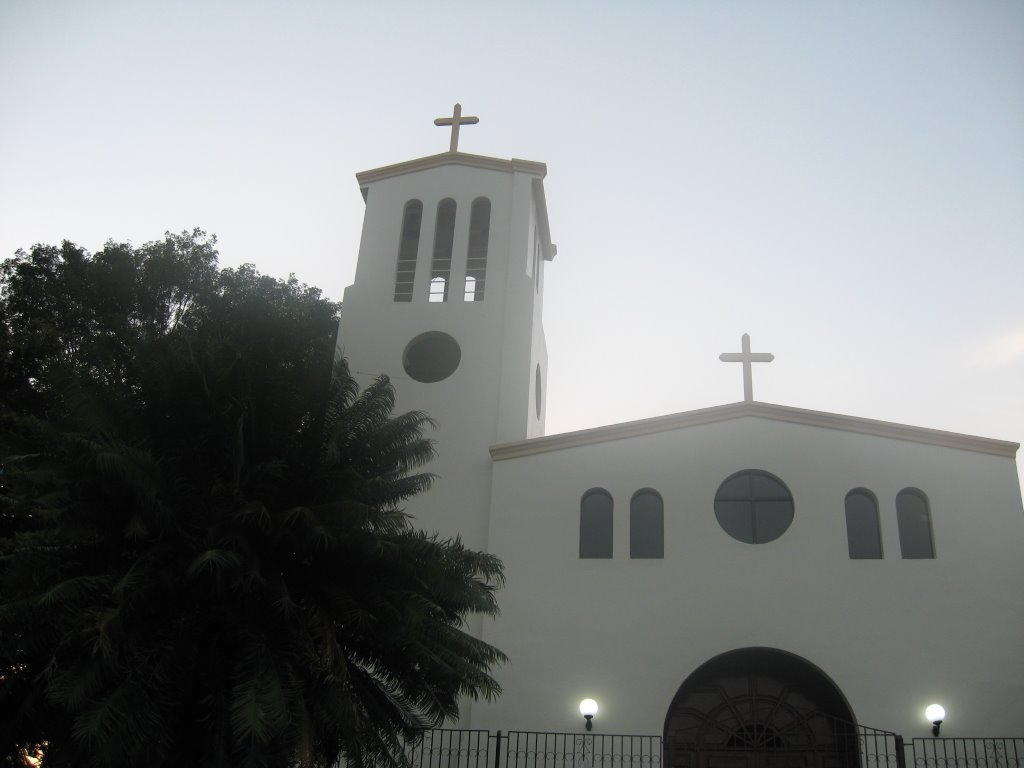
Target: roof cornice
<point>549,248</point>
<point>452,158</point>
<point>761,410</point>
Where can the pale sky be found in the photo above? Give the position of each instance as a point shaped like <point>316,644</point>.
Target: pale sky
<point>842,180</point>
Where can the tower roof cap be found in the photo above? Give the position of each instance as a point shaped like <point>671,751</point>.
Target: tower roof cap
<point>452,158</point>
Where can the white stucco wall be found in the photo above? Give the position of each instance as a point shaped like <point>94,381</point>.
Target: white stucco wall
<point>893,634</point>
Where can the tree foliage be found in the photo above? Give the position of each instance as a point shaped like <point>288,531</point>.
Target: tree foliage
<point>203,554</point>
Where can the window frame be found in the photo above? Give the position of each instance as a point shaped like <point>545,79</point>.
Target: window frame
<point>908,528</point>
<point>875,521</point>
<point>725,519</point>
<point>637,521</point>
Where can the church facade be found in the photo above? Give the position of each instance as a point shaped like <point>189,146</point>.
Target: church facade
<point>709,576</point>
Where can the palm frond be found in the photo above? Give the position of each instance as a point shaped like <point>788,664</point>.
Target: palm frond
<point>208,538</point>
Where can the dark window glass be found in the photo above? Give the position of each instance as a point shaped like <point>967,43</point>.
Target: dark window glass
<point>408,246</point>
<point>736,519</point>
<point>476,257</point>
<point>754,506</point>
<point>863,533</point>
<point>596,523</point>
<point>771,519</point>
<point>767,487</point>
<point>646,525</point>
<point>431,356</point>
<point>737,486</point>
<point>444,237</point>
<point>915,525</point>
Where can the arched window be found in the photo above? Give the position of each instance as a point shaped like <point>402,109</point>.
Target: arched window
<point>438,289</point>
<point>915,524</point>
<point>470,293</point>
<point>863,533</point>
<point>444,236</point>
<point>596,523</point>
<point>407,248</point>
<point>476,256</point>
<point>646,524</point>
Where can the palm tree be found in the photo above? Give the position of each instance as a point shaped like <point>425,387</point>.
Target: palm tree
<point>212,565</point>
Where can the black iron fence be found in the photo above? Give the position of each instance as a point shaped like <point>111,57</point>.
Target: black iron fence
<point>966,753</point>
<point>532,749</point>
<point>879,749</point>
<point>451,749</point>
<point>863,747</point>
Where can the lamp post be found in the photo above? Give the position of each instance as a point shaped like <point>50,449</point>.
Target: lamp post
<point>935,714</point>
<point>588,708</point>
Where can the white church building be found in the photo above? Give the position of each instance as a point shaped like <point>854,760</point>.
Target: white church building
<point>712,576</point>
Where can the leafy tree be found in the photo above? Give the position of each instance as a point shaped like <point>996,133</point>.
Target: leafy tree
<point>204,558</point>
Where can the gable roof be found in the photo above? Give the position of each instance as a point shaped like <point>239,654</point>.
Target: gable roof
<point>781,413</point>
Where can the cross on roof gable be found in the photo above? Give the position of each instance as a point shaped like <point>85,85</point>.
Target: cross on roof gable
<point>747,357</point>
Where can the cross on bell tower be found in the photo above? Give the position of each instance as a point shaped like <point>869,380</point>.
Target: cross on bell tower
<point>455,121</point>
<point>747,357</point>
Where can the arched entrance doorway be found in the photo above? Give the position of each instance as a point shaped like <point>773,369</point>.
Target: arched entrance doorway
<point>759,708</point>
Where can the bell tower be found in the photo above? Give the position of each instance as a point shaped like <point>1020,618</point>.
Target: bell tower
<point>447,302</point>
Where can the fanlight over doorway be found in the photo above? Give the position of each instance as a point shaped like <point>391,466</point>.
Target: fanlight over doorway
<point>760,708</point>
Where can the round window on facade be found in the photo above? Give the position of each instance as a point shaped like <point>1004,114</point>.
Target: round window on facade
<point>536,390</point>
<point>431,356</point>
<point>754,506</point>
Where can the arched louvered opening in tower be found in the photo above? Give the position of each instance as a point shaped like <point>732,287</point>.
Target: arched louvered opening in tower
<point>408,245</point>
<point>444,237</point>
<point>476,256</point>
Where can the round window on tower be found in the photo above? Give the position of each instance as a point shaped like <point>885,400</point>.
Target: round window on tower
<point>431,356</point>
<point>536,390</point>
